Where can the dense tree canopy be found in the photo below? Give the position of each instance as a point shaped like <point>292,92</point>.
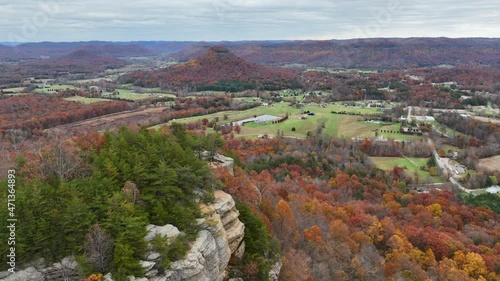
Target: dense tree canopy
<point>125,181</point>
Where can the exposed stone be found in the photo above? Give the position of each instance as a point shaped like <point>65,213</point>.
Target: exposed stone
<point>151,273</point>
<point>108,277</point>
<point>147,265</point>
<point>4,274</point>
<point>161,278</point>
<point>69,262</point>
<point>210,254</point>
<point>223,202</point>
<point>28,274</point>
<point>164,231</point>
<point>133,278</point>
<point>274,273</point>
<point>223,161</point>
<point>219,240</point>
<point>235,235</point>
<point>38,264</point>
<point>152,256</point>
<point>237,255</point>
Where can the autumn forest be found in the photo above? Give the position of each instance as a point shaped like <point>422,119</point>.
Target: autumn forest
<point>369,159</point>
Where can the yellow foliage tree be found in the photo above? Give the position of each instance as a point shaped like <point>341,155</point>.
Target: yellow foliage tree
<point>93,277</point>
<point>375,231</point>
<point>474,265</point>
<point>435,209</point>
<point>432,171</point>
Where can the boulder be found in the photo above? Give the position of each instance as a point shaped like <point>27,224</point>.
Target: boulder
<point>147,265</point>
<point>152,256</point>
<point>69,262</point>
<point>168,230</point>
<point>225,162</point>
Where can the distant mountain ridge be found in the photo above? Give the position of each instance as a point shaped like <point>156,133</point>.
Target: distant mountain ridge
<point>114,49</point>
<point>363,53</point>
<point>378,53</point>
<point>79,61</point>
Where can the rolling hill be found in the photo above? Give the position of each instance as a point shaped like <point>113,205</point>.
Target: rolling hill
<point>216,69</point>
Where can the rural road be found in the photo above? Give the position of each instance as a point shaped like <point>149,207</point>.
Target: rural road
<point>447,169</point>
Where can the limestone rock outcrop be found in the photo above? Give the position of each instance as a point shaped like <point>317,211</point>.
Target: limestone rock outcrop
<point>224,162</point>
<point>221,235</point>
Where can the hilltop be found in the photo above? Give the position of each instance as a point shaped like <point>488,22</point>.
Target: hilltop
<point>217,68</point>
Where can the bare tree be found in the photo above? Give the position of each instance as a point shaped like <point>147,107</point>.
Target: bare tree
<point>131,191</point>
<point>98,248</point>
<point>62,159</point>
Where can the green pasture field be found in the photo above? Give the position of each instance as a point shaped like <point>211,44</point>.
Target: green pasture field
<point>54,87</point>
<point>337,125</point>
<point>410,165</point>
<point>352,109</point>
<point>449,131</point>
<point>14,90</point>
<point>397,135</point>
<point>129,94</point>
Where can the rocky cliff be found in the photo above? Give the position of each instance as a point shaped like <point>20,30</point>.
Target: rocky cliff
<point>219,242</point>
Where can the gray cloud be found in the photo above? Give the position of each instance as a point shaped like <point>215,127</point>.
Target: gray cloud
<point>64,20</point>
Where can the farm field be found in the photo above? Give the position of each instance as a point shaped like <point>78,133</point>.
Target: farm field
<point>392,132</point>
<point>447,130</point>
<point>484,110</point>
<point>114,120</point>
<point>486,119</point>
<point>337,125</point>
<point>353,109</point>
<point>410,165</point>
<point>13,90</point>
<point>85,100</point>
<point>129,94</point>
<point>53,88</point>
<point>491,163</point>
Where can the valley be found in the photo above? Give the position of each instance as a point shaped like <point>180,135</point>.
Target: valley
<point>347,159</point>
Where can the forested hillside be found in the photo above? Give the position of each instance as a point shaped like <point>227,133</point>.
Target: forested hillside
<point>216,69</point>
<point>109,187</point>
<point>339,218</point>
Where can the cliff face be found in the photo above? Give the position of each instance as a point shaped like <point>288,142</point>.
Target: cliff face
<point>219,242</point>
<point>220,239</point>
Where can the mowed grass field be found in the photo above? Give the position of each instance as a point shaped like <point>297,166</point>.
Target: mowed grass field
<point>85,100</point>
<point>395,134</point>
<point>13,90</point>
<point>335,125</point>
<point>129,94</point>
<point>352,109</point>
<point>410,165</point>
<point>52,89</point>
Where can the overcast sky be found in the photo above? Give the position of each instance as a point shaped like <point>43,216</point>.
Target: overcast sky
<point>216,20</point>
